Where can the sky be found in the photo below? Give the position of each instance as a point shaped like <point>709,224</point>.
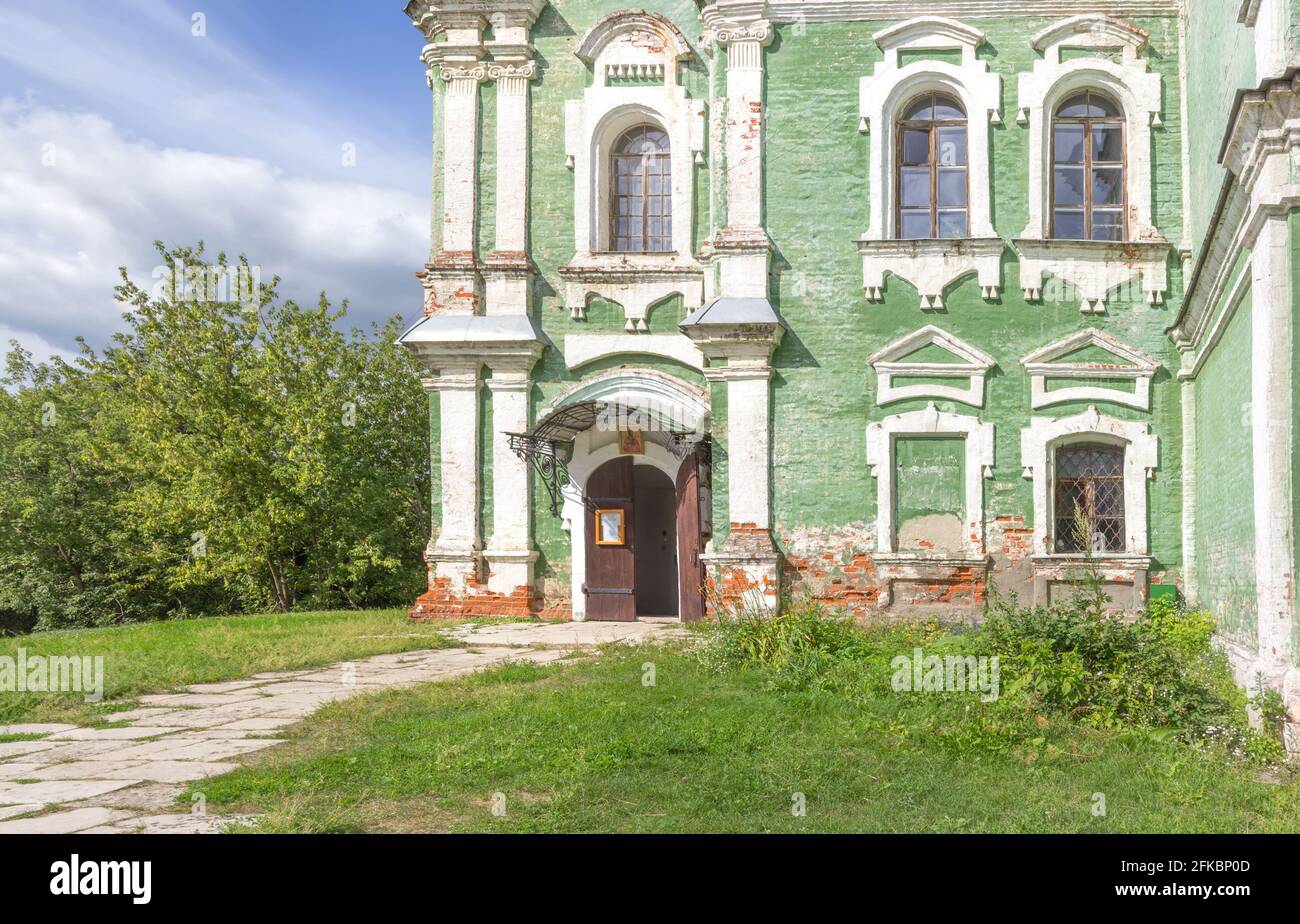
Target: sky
<point>298,133</point>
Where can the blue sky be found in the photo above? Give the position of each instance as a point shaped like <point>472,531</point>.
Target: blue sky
<point>119,125</point>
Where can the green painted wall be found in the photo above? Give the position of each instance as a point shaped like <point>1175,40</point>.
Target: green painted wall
<point>1215,36</point>
<point>1225,516</point>
<point>929,492</point>
<point>817,208</point>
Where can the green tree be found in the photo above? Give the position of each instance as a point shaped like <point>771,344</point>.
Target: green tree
<point>235,451</point>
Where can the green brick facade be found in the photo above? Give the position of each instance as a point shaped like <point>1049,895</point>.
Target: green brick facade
<point>791,282</point>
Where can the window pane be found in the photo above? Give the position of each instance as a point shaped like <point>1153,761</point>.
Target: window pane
<point>1107,186</point>
<point>952,145</point>
<point>1067,225</point>
<point>915,225</point>
<point>916,187</point>
<point>920,110</point>
<point>1101,105</point>
<point>952,224</point>
<point>1076,107</point>
<point>1067,186</point>
<point>945,107</point>
<point>952,186</point>
<point>1108,143</point>
<point>1107,225</point>
<point>1069,144</point>
<point>916,146</point>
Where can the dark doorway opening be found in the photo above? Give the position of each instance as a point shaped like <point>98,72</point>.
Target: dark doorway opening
<point>654,498</point>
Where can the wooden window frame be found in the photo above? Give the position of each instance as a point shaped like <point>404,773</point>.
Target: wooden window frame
<point>1088,122</point>
<point>622,526</point>
<point>614,195</point>
<point>932,126</point>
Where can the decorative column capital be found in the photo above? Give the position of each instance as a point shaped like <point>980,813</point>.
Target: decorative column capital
<point>727,33</point>
<point>729,22</point>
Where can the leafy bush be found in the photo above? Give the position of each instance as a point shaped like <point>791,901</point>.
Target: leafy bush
<point>1157,675</point>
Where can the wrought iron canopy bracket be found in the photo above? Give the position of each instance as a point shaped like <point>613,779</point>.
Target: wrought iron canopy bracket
<point>547,457</point>
<point>682,443</point>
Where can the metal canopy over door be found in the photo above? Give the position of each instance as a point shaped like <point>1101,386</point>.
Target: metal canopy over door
<point>611,568</point>
<point>690,540</point>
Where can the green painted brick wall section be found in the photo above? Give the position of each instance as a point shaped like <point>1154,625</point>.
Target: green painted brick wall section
<point>1227,48</point>
<point>1225,515</point>
<point>817,208</point>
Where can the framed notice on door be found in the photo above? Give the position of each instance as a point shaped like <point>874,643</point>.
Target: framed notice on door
<point>609,527</point>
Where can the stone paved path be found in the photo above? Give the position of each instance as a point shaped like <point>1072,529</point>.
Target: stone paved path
<point>126,779</point>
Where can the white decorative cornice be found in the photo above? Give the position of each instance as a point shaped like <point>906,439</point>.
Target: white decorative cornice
<point>488,70</point>
<point>636,282</point>
<point>1132,364</point>
<point>1093,269</point>
<point>971,364</point>
<point>1092,30</point>
<point>931,266</point>
<point>783,11</point>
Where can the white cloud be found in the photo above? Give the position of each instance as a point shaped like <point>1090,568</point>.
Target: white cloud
<point>78,199</point>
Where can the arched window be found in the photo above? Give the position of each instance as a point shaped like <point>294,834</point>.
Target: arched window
<point>641,202</point>
<point>1089,482</point>
<point>1088,191</point>
<point>933,182</point>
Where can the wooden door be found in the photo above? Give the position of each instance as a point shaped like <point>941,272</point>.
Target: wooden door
<point>690,540</point>
<point>611,567</point>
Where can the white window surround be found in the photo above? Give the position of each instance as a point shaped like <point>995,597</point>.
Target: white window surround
<point>1038,444</point>
<point>929,265</point>
<point>978,435</point>
<point>891,360</point>
<point>640,44</point>
<point>1094,267</point>
<point>637,282</point>
<point>1131,363</point>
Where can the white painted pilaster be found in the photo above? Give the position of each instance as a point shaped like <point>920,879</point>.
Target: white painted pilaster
<point>456,552</point>
<point>510,553</point>
<point>460,158</point>
<point>742,249</point>
<point>512,159</point>
<point>749,445</point>
<point>1271,441</point>
<point>1190,575</point>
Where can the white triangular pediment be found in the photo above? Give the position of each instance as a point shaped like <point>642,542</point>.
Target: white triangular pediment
<point>895,354</point>
<point>1055,355</point>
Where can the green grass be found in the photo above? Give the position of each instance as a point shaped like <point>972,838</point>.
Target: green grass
<point>155,656</point>
<point>585,746</point>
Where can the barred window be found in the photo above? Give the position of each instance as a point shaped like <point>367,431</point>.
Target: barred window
<point>933,173</point>
<point>642,214</point>
<point>1088,191</point>
<point>1089,480</point>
